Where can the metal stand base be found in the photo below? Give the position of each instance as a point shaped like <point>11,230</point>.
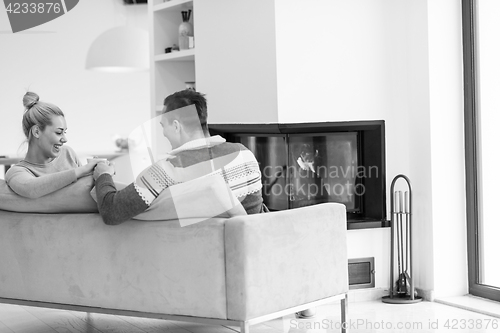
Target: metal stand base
<point>401,300</point>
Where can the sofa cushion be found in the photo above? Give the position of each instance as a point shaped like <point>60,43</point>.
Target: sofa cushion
<point>74,198</point>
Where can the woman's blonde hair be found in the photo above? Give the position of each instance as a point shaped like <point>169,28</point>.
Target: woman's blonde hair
<point>37,113</point>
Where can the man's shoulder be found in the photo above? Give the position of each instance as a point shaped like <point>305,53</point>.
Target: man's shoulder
<point>231,146</point>
<point>233,149</point>
<point>227,151</point>
<point>218,150</point>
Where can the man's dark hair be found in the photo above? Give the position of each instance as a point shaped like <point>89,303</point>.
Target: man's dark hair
<point>187,97</point>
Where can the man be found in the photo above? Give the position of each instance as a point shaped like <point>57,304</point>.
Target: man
<point>195,154</point>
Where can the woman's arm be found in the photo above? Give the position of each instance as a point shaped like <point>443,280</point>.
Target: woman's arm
<point>115,206</point>
<point>24,183</point>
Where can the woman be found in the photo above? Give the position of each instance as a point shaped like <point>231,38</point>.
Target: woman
<point>48,165</point>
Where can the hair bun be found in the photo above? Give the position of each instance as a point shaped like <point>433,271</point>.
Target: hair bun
<point>30,99</point>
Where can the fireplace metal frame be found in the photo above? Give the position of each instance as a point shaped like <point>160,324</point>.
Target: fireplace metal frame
<point>372,152</point>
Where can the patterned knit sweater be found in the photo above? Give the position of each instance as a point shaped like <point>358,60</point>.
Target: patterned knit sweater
<point>198,158</point>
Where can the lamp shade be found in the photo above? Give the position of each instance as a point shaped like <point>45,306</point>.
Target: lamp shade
<point>119,49</point>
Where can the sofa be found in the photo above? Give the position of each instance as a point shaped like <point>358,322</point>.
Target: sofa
<point>239,271</point>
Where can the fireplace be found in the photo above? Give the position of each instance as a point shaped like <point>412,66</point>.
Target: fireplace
<point>310,163</point>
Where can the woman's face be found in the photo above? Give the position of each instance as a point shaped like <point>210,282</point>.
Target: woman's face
<point>53,137</point>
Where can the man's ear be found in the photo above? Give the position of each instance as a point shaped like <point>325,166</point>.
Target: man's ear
<point>35,131</point>
<point>177,125</point>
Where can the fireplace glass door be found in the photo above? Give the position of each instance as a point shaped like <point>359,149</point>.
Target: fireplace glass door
<point>323,168</point>
<point>271,152</point>
<point>307,169</point>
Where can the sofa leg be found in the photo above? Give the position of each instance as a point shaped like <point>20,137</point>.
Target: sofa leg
<point>343,314</point>
<point>244,327</point>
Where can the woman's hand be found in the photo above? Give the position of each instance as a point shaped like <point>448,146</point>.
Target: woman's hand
<point>86,169</point>
<point>104,167</point>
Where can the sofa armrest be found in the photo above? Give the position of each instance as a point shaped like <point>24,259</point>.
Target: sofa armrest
<point>278,260</point>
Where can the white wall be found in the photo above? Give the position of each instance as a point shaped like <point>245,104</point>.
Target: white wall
<point>419,144</point>
<point>399,61</point>
<point>352,65</point>
<point>395,60</point>
<point>447,149</point>
<point>50,59</point>
<point>236,59</point>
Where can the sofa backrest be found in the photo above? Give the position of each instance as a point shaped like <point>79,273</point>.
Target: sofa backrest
<point>156,267</point>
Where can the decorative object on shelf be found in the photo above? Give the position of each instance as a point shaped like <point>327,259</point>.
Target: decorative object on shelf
<point>191,86</point>
<point>403,290</point>
<point>185,30</point>
<point>121,143</point>
<point>173,48</point>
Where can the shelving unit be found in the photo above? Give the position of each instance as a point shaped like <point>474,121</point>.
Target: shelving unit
<point>234,62</point>
<point>172,5</point>
<point>169,71</point>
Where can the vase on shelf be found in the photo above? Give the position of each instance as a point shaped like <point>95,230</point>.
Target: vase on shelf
<point>185,30</point>
<point>191,85</point>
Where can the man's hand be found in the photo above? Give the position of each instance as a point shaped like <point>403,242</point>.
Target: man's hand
<point>104,167</point>
<point>85,170</point>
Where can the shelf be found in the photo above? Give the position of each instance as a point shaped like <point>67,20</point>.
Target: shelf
<point>173,5</point>
<point>170,71</point>
<point>183,55</point>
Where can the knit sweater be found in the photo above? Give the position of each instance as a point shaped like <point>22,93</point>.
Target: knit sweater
<point>34,180</point>
<point>198,158</point>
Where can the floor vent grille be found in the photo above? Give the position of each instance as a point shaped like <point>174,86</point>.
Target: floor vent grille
<point>361,273</point>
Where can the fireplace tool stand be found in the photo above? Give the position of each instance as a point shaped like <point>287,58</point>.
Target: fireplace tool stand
<point>403,290</point>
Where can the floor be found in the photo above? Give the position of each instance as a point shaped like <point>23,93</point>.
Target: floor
<point>372,316</point>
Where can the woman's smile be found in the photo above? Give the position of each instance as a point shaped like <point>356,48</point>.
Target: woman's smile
<point>53,138</point>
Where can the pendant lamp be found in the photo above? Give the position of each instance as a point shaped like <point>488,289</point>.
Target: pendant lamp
<point>119,50</point>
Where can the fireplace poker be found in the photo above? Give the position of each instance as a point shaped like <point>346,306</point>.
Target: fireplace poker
<point>404,262</point>
<point>408,244</point>
<point>398,233</point>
